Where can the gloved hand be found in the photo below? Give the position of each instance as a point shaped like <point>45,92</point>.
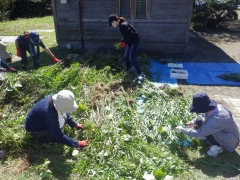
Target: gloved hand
<point>83,143</point>
<point>122,44</point>
<point>178,129</point>
<point>79,126</point>
<point>13,70</point>
<point>55,59</point>
<point>190,124</point>
<point>19,52</point>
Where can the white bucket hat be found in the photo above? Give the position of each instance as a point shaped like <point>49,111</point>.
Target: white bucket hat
<point>64,101</point>
<point>3,51</point>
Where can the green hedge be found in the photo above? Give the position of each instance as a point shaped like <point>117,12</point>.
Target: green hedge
<point>210,15</point>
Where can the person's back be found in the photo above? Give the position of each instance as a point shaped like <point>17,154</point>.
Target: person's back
<point>228,132</point>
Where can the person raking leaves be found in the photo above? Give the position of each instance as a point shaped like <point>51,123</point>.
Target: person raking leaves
<point>215,125</point>
<point>4,56</point>
<point>30,41</point>
<point>46,119</point>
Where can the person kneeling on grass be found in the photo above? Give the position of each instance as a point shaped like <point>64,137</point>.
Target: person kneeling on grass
<point>216,125</point>
<point>4,56</point>
<point>46,119</point>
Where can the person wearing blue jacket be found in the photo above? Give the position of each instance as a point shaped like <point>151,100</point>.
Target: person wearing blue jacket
<point>131,39</point>
<point>30,41</point>
<point>46,119</point>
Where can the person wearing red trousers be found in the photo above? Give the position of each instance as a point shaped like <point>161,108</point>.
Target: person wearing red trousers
<point>30,41</point>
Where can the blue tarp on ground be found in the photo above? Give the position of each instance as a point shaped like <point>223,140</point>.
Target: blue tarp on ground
<point>206,73</point>
<point>161,74</point>
<point>199,73</point>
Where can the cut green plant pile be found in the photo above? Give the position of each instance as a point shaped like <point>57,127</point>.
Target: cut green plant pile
<point>123,143</point>
<point>231,77</point>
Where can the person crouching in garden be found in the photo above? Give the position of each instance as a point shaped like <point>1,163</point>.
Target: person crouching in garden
<point>30,41</point>
<point>4,57</point>
<point>216,125</point>
<point>46,119</point>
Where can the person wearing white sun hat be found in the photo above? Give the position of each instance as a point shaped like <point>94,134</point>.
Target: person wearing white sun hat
<point>215,124</point>
<point>46,119</point>
<point>5,57</point>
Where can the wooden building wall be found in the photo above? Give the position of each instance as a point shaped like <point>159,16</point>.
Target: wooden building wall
<point>166,27</point>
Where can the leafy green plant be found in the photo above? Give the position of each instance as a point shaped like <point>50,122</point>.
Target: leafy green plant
<point>231,77</point>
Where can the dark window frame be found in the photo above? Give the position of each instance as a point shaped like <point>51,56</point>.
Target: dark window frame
<point>136,8</point>
<point>133,7</point>
<point>130,7</point>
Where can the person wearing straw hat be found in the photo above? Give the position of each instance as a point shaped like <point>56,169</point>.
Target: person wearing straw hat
<point>4,57</point>
<point>216,125</point>
<point>27,42</point>
<point>46,119</point>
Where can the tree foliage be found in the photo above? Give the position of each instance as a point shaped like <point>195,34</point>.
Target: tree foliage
<point>212,12</point>
<point>31,8</point>
<point>6,9</point>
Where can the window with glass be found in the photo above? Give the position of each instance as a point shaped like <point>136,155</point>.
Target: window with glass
<point>125,6</point>
<point>140,8</point>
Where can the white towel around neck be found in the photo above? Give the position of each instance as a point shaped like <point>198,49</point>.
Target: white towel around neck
<point>61,119</point>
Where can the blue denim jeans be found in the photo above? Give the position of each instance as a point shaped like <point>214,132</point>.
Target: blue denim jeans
<point>24,59</point>
<point>130,57</point>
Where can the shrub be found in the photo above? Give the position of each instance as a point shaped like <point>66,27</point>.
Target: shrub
<point>31,8</point>
<point>6,9</point>
<point>209,15</point>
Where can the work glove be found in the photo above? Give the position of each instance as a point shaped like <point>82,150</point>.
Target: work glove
<point>178,129</point>
<point>190,124</point>
<point>79,126</point>
<point>13,70</point>
<point>122,44</point>
<point>83,143</point>
<point>55,59</point>
<point>19,52</point>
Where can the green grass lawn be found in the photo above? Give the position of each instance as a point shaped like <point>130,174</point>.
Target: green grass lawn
<point>124,144</point>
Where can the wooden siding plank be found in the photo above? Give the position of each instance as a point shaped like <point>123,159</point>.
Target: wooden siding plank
<point>170,9</point>
<point>98,9</point>
<point>183,20</point>
<point>100,32</point>
<point>67,10</point>
<point>161,32</point>
<point>190,8</point>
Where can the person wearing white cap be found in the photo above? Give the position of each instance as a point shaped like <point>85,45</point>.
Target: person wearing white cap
<point>46,119</point>
<point>5,56</point>
<point>27,42</point>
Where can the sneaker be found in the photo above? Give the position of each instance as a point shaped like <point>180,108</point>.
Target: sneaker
<point>214,150</point>
<point>140,78</point>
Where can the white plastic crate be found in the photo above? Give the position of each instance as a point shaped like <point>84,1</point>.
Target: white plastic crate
<point>178,74</point>
<point>175,65</point>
